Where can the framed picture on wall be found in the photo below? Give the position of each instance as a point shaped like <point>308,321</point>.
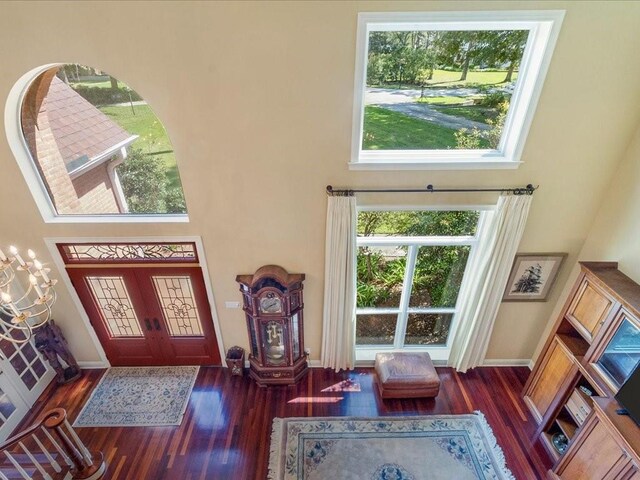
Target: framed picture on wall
<point>532,276</point>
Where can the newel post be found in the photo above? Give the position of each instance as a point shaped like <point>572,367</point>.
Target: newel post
<point>86,465</point>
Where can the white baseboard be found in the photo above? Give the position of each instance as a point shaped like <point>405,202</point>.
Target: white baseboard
<point>90,365</point>
<point>508,362</point>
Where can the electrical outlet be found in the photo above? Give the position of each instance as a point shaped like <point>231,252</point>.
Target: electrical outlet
<point>232,304</point>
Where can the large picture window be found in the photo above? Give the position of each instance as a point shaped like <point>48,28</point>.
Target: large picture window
<point>448,89</point>
<point>410,268</point>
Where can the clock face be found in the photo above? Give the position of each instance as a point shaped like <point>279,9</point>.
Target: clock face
<point>270,304</point>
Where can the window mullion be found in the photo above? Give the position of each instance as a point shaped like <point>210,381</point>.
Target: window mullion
<point>401,327</point>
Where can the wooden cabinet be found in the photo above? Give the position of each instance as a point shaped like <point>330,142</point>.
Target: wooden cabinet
<point>590,308</point>
<point>576,365</point>
<point>553,374</point>
<point>605,448</point>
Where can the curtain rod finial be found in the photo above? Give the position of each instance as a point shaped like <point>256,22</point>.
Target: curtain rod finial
<point>329,190</point>
<point>430,188</point>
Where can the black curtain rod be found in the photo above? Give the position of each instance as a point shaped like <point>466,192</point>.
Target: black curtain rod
<point>528,190</point>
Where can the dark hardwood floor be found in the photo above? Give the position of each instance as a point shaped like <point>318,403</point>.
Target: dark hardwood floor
<point>226,429</point>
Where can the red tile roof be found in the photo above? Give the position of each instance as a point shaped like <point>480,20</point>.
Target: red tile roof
<point>80,129</point>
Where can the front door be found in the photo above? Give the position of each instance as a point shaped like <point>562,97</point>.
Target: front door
<point>149,315</point>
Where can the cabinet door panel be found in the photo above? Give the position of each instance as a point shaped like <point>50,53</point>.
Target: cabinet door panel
<point>551,378</point>
<point>600,445</point>
<point>590,308</point>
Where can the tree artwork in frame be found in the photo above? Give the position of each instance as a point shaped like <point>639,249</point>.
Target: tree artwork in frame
<point>532,276</point>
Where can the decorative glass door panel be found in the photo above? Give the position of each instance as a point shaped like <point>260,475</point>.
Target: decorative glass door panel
<point>178,306</point>
<point>115,305</point>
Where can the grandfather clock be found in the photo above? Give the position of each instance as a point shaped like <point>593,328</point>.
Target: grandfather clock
<point>272,302</point>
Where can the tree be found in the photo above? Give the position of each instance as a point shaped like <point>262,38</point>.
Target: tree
<point>507,48</point>
<point>144,183</point>
<point>530,280</point>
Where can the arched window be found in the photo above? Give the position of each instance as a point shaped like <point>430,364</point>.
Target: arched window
<point>97,146</point>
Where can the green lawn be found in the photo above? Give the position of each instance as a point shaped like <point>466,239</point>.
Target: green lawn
<point>388,130</point>
<point>472,112</point>
<point>93,83</point>
<point>447,78</point>
<point>444,100</point>
<point>153,137</point>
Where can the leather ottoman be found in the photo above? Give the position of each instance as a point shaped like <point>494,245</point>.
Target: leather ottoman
<point>406,375</point>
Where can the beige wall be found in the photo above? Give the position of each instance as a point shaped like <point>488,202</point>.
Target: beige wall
<point>615,233</point>
<point>257,99</point>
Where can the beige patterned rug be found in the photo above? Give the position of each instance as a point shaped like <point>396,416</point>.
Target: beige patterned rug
<point>437,447</point>
<point>139,396</point>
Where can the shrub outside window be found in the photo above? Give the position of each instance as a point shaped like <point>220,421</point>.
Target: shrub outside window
<point>410,268</point>
<point>448,90</point>
<point>97,147</point>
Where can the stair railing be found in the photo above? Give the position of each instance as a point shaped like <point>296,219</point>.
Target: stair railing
<point>52,448</point>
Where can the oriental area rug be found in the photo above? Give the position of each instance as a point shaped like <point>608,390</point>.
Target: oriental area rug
<point>139,397</point>
<point>438,447</point>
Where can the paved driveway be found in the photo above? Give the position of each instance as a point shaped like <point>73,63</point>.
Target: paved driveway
<point>404,101</point>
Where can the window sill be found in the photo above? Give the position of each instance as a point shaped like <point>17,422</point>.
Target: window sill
<point>439,353</point>
<point>126,218</point>
<point>434,165</point>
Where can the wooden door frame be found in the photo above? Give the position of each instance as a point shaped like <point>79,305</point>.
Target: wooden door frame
<point>51,243</point>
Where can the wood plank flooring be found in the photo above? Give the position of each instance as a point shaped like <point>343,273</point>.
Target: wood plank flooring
<point>226,429</point>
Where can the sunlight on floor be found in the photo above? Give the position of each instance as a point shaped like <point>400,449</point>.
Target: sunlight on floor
<point>347,385</point>
<point>316,400</point>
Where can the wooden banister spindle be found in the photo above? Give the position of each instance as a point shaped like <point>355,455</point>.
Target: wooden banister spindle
<point>79,443</point>
<point>52,461</point>
<point>83,464</point>
<point>17,466</point>
<point>55,423</point>
<point>57,446</point>
<point>35,462</point>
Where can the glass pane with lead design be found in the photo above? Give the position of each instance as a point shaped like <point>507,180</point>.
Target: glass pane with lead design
<point>178,305</point>
<point>128,252</point>
<point>115,306</point>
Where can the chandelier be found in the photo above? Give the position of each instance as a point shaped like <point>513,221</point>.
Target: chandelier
<point>21,313</point>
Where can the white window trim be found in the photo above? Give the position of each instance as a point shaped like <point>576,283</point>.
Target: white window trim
<point>544,26</point>
<point>438,353</point>
<point>20,150</point>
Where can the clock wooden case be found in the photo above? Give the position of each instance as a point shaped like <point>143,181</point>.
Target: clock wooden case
<point>272,302</point>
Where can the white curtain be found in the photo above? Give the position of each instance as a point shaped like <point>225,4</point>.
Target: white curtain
<point>485,282</point>
<point>338,320</point>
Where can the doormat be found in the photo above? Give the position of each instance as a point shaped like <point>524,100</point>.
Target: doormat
<point>439,447</point>
<point>139,397</point>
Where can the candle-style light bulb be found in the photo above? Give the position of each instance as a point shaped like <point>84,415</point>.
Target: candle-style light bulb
<point>14,252</point>
<point>6,298</point>
<point>3,257</point>
<point>42,271</point>
<point>34,283</point>
<point>32,254</point>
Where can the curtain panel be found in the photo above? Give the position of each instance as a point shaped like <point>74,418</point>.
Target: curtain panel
<point>338,320</point>
<point>485,282</point>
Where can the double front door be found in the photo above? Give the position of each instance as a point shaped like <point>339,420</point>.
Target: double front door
<point>149,315</point>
